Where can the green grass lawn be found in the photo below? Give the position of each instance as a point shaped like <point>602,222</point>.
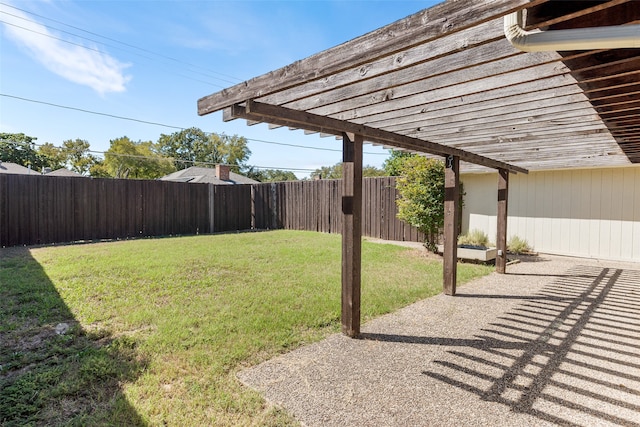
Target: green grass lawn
<point>160,327</point>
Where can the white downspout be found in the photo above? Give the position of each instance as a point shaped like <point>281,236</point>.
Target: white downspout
<point>616,37</point>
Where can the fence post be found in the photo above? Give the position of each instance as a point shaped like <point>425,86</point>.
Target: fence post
<point>211,208</point>
<point>274,206</point>
<point>253,206</point>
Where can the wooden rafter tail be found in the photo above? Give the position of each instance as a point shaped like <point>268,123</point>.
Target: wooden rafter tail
<point>328,125</point>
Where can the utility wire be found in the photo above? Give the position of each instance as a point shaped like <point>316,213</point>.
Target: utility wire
<point>141,49</point>
<point>99,51</point>
<point>161,55</point>
<point>174,127</point>
<point>173,159</point>
<point>91,112</point>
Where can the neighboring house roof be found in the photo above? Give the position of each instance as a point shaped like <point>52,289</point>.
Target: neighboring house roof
<point>64,172</point>
<point>8,167</point>
<point>206,175</point>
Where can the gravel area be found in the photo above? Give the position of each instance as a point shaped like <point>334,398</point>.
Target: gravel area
<point>556,341</point>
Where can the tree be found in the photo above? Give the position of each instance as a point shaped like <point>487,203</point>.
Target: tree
<point>335,172</point>
<point>192,146</point>
<point>128,159</point>
<point>270,175</point>
<point>99,170</point>
<point>52,156</point>
<point>20,149</point>
<point>77,155</point>
<point>328,172</point>
<point>393,165</point>
<point>421,202</point>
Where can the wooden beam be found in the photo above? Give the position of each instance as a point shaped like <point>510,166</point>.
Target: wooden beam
<point>351,233</point>
<point>451,218</point>
<point>501,239</point>
<point>422,27</point>
<point>305,120</point>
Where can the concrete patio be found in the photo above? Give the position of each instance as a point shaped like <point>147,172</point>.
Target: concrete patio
<point>553,342</point>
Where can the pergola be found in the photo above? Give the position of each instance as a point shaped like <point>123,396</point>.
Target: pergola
<point>447,82</point>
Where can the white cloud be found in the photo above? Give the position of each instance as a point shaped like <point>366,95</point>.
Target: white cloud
<point>92,68</point>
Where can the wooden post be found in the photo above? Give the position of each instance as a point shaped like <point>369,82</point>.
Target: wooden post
<point>501,239</point>
<point>351,232</point>
<point>451,218</point>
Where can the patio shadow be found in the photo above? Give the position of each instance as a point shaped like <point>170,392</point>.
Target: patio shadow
<point>568,355</point>
<point>52,370</point>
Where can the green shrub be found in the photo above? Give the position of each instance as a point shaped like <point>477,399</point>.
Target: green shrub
<point>421,190</point>
<point>516,245</point>
<point>475,238</point>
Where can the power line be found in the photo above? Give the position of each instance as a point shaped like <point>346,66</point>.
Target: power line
<point>173,127</point>
<point>161,55</point>
<point>172,159</point>
<point>91,112</point>
<point>99,51</point>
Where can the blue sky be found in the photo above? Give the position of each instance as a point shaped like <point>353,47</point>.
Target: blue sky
<point>152,60</point>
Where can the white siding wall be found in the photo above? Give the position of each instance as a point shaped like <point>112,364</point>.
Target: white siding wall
<point>591,213</point>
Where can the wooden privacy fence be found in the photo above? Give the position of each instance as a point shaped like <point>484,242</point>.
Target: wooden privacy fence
<point>317,206</point>
<point>41,209</point>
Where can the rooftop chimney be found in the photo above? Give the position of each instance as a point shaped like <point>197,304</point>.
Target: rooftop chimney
<point>222,172</point>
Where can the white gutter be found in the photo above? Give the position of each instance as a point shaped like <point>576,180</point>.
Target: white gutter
<point>616,37</point>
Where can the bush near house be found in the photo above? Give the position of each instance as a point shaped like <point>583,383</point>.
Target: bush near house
<point>517,245</point>
<point>475,237</point>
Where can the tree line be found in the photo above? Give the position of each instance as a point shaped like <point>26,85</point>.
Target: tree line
<point>126,158</point>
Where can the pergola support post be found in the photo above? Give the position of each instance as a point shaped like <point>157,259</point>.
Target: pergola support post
<point>351,232</point>
<point>501,238</point>
<point>451,218</point>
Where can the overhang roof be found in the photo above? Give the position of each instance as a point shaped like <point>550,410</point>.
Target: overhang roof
<point>447,75</point>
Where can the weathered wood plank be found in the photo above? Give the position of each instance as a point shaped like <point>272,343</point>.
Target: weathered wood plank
<point>457,65</point>
<point>414,94</point>
<point>443,72</point>
<point>515,131</point>
<point>436,51</point>
<point>558,85</point>
<point>538,102</point>
<point>546,118</point>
